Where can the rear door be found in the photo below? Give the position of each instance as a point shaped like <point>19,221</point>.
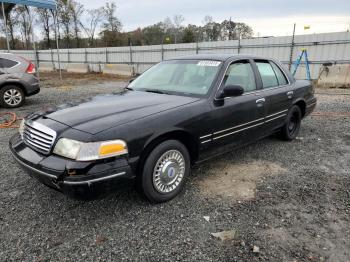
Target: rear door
<point>276,93</point>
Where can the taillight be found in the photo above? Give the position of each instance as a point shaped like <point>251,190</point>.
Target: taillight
<point>31,68</point>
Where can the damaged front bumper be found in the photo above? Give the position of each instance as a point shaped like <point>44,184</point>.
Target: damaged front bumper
<point>80,180</point>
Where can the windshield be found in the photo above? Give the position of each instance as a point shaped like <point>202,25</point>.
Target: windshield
<point>191,77</point>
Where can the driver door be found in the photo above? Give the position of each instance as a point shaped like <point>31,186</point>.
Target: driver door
<point>237,120</point>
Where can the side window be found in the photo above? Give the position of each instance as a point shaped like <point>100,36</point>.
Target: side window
<point>6,63</point>
<point>280,76</point>
<point>241,73</point>
<point>267,74</point>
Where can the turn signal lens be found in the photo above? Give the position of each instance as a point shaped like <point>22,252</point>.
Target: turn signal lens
<point>112,148</point>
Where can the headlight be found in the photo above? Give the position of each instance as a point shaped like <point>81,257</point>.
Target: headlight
<point>21,128</point>
<point>89,151</point>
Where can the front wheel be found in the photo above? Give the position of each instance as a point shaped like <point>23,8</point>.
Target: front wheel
<point>165,170</point>
<point>292,126</point>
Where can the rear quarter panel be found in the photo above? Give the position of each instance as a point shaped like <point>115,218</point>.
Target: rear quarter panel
<point>304,91</point>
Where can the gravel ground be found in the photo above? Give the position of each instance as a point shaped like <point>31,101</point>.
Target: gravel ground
<point>285,201</point>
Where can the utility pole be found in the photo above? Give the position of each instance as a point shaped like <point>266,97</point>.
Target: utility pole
<point>5,22</point>
<point>292,48</point>
<point>33,40</point>
<point>55,17</point>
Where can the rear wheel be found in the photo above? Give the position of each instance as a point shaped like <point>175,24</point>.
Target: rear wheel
<point>292,126</point>
<point>11,96</point>
<point>165,170</point>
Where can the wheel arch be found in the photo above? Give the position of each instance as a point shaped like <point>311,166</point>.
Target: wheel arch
<point>14,83</point>
<point>302,105</point>
<point>186,138</point>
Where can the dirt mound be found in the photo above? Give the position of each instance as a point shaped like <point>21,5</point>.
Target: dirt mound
<point>237,181</point>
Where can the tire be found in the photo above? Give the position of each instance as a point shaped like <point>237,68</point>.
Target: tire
<point>173,158</point>
<point>11,96</point>
<point>292,126</point>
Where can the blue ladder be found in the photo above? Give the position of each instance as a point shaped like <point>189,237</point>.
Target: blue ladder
<point>298,62</point>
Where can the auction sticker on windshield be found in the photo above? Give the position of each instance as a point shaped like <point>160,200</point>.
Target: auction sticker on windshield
<point>208,63</point>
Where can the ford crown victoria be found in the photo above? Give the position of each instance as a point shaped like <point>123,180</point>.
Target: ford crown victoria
<point>178,113</point>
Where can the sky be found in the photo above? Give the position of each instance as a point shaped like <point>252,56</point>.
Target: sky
<point>266,17</point>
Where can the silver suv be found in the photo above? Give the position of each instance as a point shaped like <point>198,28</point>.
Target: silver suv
<point>17,80</point>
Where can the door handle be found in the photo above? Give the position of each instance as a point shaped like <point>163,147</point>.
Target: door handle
<point>290,94</point>
<point>260,101</point>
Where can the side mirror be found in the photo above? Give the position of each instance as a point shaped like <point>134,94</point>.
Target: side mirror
<point>231,90</point>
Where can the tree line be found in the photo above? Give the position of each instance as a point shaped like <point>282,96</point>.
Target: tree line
<point>80,28</point>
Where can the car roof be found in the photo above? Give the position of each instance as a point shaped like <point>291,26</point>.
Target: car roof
<point>218,57</point>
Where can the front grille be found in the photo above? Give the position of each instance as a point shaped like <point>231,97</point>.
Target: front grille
<point>39,137</point>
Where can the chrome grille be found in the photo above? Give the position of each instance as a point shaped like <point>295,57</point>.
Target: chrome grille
<point>39,137</point>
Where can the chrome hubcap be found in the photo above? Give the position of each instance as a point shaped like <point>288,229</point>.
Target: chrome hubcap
<point>12,97</point>
<point>169,171</point>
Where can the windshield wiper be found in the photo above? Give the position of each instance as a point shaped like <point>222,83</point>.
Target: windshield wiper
<point>129,88</point>
<point>155,91</point>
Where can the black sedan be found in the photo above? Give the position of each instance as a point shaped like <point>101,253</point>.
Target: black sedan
<point>177,113</point>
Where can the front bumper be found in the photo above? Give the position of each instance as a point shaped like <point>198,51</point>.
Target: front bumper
<point>80,180</point>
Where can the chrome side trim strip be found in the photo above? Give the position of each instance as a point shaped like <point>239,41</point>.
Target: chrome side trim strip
<point>277,113</point>
<point>32,168</point>
<point>266,120</point>
<point>205,136</point>
<point>271,119</point>
<point>93,180</point>
<point>240,130</point>
<point>228,129</point>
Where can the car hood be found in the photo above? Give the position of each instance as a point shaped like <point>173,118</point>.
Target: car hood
<point>102,112</point>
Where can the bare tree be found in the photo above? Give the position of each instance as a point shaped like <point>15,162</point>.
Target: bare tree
<point>77,10</point>
<point>93,19</point>
<point>228,30</point>
<point>167,27</point>
<point>211,28</point>
<point>112,23</point>
<point>112,26</point>
<point>243,31</point>
<point>24,25</point>
<point>207,19</point>
<point>178,20</point>
<point>45,18</point>
<point>64,9</point>
<point>12,23</point>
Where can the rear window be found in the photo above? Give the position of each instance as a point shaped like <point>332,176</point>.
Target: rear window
<point>267,74</point>
<point>280,76</point>
<point>7,63</point>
